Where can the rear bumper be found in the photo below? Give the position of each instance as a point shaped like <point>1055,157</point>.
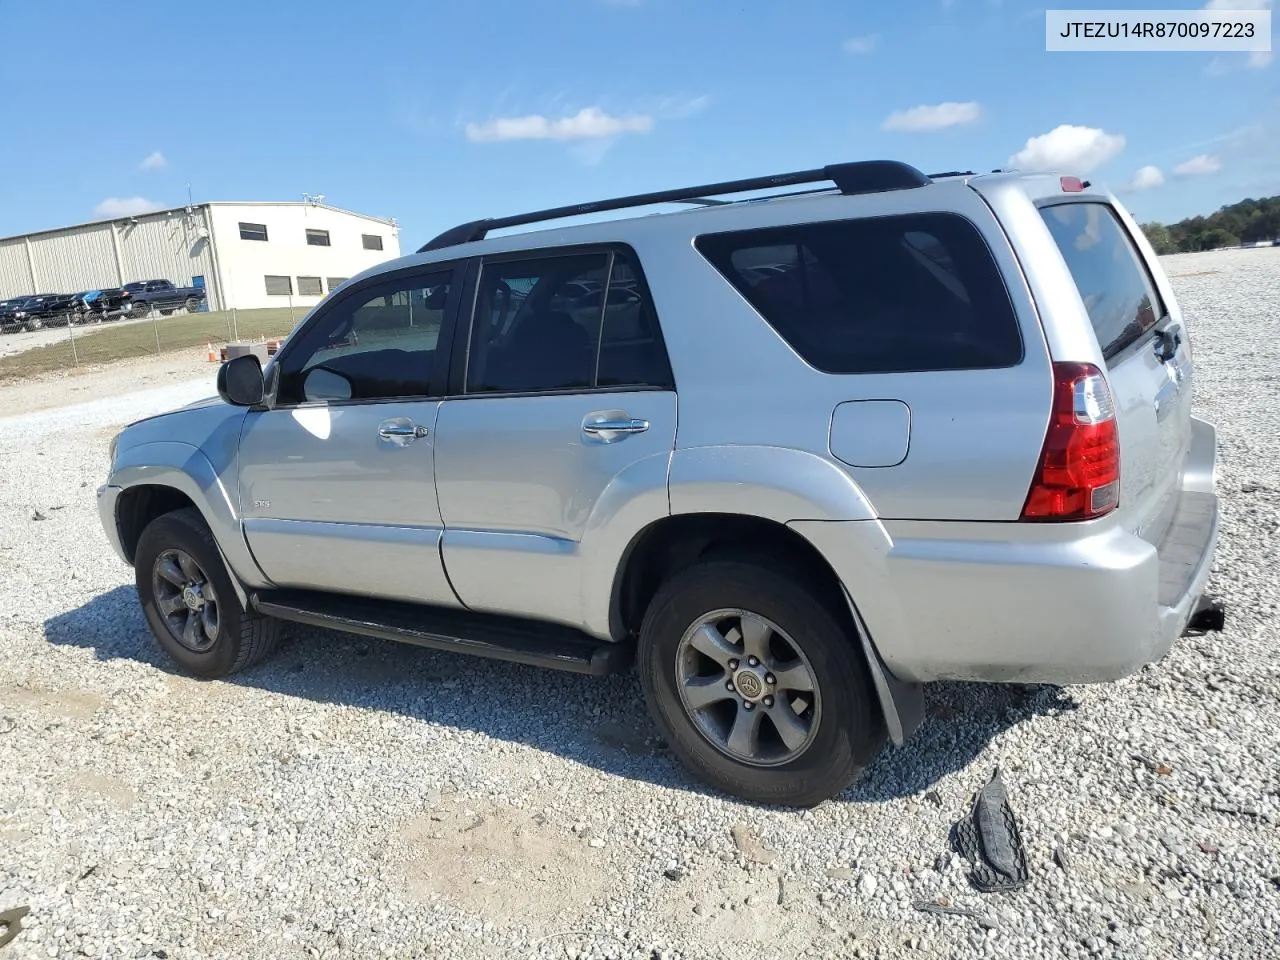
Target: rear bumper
<point>963,601</point>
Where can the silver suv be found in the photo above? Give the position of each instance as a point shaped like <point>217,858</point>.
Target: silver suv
<point>797,455</point>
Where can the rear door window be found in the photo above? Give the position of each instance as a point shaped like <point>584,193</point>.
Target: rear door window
<point>898,294</point>
<point>1108,271</point>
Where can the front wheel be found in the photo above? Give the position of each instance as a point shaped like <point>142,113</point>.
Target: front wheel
<point>33,324</point>
<point>757,686</point>
<point>190,603</point>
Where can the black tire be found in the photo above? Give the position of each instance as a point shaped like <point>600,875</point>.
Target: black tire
<point>33,324</point>
<point>243,636</point>
<point>849,727</point>
<point>192,305</point>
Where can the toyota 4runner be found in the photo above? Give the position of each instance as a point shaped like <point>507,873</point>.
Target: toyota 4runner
<point>797,455</point>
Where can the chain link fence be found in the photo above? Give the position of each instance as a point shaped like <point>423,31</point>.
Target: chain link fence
<point>30,346</point>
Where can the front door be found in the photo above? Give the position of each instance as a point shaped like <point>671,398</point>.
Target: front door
<point>566,401</point>
<point>336,478</point>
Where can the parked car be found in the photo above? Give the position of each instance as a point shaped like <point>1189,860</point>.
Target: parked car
<point>951,440</point>
<point>43,309</point>
<point>107,304</point>
<point>12,314</point>
<point>162,295</point>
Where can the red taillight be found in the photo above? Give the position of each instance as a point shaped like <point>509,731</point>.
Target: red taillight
<point>1072,184</point>
<point>1079,473</point>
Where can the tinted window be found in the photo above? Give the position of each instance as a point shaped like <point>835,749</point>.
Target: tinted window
<point>565,322</point>
<point>371,241</point>
<point>631,348</point>
<point>1112,279</point>
<point>877,295</point>
<point>309,287</point>
<point>253,231</point>
<point>528,332</point>
<point>376,344</point>
<point>278,286</point>
<point>318,238</point>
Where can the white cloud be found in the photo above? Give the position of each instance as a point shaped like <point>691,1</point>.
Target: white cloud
<point>1069,148</point>
<point>935,117</point>
<point>126,206</point>
<point>1200,166</point>
<point>1147,178</point>
<point>864,44</point>
<point>589,123</point>
<point>153,161</point>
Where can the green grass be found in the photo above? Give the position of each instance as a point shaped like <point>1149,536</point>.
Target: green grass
<point>110,342</point>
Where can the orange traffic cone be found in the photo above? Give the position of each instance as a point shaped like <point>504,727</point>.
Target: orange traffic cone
<point>213,354</point>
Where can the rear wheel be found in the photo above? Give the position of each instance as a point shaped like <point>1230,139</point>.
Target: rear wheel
<point>34,323</point>
<point>190,603</point>
<point>757,686</point>
<point>192,305</point>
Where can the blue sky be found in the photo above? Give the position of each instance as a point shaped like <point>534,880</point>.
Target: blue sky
<point>436,112</point>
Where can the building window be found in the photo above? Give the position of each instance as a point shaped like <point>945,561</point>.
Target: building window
<point>253,231</point>
<point>335,282</point>
<point>371,241</point>
<point>279,286</point>
<point>309,287</point>
<point>317,238</point>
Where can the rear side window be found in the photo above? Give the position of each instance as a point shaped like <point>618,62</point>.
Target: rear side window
<point>877,295</point>
<point>1109,273</point>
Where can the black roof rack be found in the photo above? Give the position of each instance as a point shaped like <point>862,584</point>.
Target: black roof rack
<point>863,176</point>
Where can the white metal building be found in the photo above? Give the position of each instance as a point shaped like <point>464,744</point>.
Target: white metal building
<point>244,254</point>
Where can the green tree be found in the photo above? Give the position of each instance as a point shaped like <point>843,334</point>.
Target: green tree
<point>1159,237</point>
<point>1216,237</point>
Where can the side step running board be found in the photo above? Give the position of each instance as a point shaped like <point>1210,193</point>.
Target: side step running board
<point>501,638</point>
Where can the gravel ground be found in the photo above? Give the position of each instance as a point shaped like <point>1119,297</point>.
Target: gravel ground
<point>361,799</point>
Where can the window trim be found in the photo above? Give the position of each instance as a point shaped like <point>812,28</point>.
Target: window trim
<point>277,276</point>
<point>437,378</point>
<point>313,235</point>
<point>965,218</point>
<point>465,321</point>
<point>319,282</point>
<point>1122,348</point>
<point>265,238</point>
<point>366,237</point>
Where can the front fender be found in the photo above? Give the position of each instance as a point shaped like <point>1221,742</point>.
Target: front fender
<point>185,468</point>
<point>774,483</point>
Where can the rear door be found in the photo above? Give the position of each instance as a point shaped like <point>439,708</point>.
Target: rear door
<point>562,394</point>
<point>1145,350</point>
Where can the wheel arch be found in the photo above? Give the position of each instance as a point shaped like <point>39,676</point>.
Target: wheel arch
<point>667,545</point>
<point>155,478</point>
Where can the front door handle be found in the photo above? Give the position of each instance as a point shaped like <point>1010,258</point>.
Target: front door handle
<point>401,431</point>
<point>610,428</point>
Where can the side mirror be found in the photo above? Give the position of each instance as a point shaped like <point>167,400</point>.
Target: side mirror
<point>240,381</point>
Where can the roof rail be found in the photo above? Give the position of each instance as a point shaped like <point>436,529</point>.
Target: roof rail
<point>863,176</point>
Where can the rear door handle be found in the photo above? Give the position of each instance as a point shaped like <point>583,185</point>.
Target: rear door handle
<point>613,428</point>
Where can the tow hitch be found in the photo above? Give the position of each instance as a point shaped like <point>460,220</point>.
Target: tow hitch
<point>1210,615</point>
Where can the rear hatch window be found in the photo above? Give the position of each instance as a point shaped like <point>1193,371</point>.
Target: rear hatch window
<point>1112,279</point>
